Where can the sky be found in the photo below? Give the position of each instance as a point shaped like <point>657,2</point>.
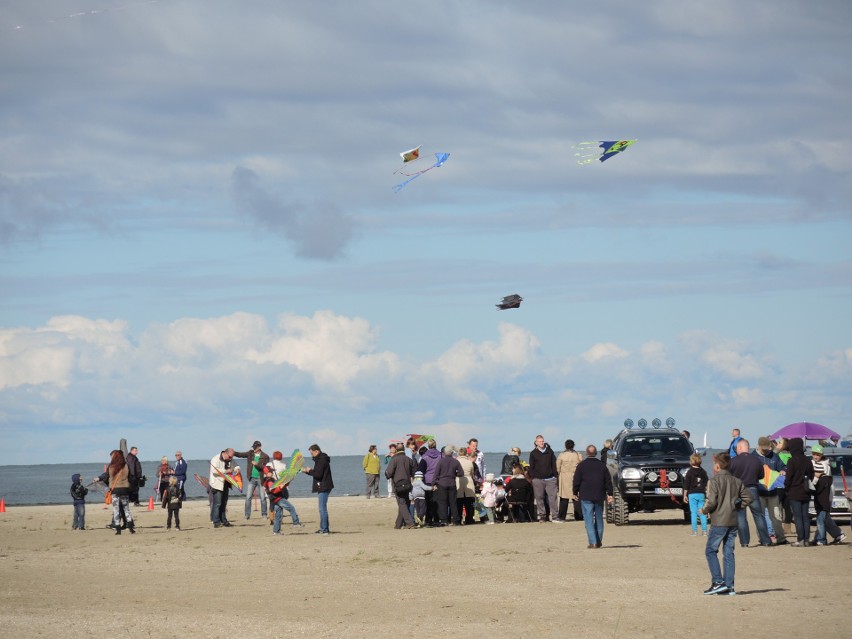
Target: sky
<point>200,245</point>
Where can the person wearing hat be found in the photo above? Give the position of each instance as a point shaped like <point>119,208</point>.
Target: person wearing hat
<point>823,493</point>
<point>256,461</point>
<point>769,500</point>
<point>419,490</point>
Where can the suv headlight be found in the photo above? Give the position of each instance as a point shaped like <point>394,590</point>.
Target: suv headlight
<point>631,473</point>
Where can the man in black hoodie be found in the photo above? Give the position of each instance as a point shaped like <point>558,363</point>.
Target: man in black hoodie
<point>321,485</point>
<point>542,472</point>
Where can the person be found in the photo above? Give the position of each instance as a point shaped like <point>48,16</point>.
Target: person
<point>444,482</point>
<point>519,492</point>
<point>180,472</point>
<point>392,451</point>
<point>823,493</point>
<point>593,485</point>
<point>542,472</point>
<point>489,497</point>
<point>695,489</point>
<point>256,461</point>
<point>566,465</point>
<point>278,499</point>
<point>476,455</point>
<point>769,501</point>
<point>466,484</point>
<point>172,501</point>
<point>799,473</point>
<point>509,460</point>
<point>748,469</point>
<point>411,450</point>
<point>134,474</point>
<point>400,472</point>
<point>726,496</point>
<point>732,447</point>
<point>220,466</point>
<point>607,446</point>
<point>372,467</point>
<point>782,452</point>
<point>78,495</point>
<point>120,486</point>
<point>428,462</point>
<point>418,496</point>
<point>283,496</point>
<point>164,471</point>
<point>322,484</point>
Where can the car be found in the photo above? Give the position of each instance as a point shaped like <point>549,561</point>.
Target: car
<point>840,460</point>
<point>647,466</point>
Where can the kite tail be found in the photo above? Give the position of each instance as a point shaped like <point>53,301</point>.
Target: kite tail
<point>401,185</point>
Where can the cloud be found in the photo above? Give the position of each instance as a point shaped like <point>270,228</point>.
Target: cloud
<point>318,231</point>
<point>604,351</point>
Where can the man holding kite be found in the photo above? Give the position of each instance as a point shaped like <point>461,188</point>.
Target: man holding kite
<point>220,484</point>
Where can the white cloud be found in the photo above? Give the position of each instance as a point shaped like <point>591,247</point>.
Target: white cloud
<point>606,350</point>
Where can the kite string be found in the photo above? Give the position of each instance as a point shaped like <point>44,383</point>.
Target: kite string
<point>91,12</point>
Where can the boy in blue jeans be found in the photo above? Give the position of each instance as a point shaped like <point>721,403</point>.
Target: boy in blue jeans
<point>78,494</point>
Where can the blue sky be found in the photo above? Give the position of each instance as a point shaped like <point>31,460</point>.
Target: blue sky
<point>199,244</point>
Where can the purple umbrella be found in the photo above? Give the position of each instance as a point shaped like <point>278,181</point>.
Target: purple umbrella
<point>807,430</point>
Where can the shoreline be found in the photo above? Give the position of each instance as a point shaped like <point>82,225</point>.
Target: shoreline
<point>367,579</point>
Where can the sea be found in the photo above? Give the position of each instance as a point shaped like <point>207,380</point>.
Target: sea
<point>36,484</point>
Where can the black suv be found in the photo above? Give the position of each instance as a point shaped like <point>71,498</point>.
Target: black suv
<point>647,467</point>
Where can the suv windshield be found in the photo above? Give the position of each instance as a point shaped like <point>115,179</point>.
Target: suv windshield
<point>838,461</point>
<point>655,446</point>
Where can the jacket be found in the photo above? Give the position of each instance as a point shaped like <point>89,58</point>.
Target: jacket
<point>321,472</point>
<point>824,491</point>
<point>566,466</point>
<point>249,457</point>
<point>180,471</point>
<point>508,462</point>
<point>428,463</point>
<point>400,467</point>
<point>592,481</point>
<point>372,464</point>
<point>171,498</point>
<point>748,469</point>
<point>723,492</point>
<point>446,471</point>
<point>118,482</point>
<point>489,494</point>
<point>466,484</point>
<point>695,481</point>
<point>134,467</point>
<point>799,471</point>
<point>217,482</point>
<point>542,464</point>
<point>78,490</point>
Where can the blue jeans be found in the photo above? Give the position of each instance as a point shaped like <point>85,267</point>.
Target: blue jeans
<point>696,503</point>
<point>254,485</point>
<point>219,506</point>
<point>801,519</point>
<point>756,508</point>
<point>719,535</point>
<point>825,523</point>
<point>322,500</point>
<point>593,520</point>
<point>279,509</point>
<point>79,516</point>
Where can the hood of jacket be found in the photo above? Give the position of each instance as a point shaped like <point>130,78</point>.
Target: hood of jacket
<point>75,478</point>
<point>796,446</point>
<point>433,454</point>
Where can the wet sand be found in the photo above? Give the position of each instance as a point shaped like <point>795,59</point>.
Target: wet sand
<point>368,580</point>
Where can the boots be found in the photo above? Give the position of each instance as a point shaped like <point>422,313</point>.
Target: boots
<point>118,530</point>
<point>131,528</point>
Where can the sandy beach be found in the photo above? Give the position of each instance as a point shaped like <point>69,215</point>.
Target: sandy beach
<point>368,580</point>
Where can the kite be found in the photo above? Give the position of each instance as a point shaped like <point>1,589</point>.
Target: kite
<point>588,151</point>
<point>293,469</point>
<point>772,479</point>
<point>98,485</point>
<point>510,301</point>
<point>203,481</point>
<point>234,478</point>
<point>412,156</point>
<point>420,440</point>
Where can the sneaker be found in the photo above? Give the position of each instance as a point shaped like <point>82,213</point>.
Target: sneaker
<point>716,589</point>
<point>694,533</point>
<point>783,542</point>
<point>321,532</point>
<point>217,525</point>
<point>837,540</point>
<point>731,591</point>
<point>799,544</point>
<point>298,526</point>
<point>275,534</point>
<point>704,533</point>
<point>820,543</point>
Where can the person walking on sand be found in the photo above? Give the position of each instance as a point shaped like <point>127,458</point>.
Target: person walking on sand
<point>372,468</point>
<point>256,462</point>
<point>120,486</point>
<point>566,465</point>
<point>322,484</point>
<point>593,485</point>
<point>400,472</point>
<point>726,495</point>
<point>542,472</point>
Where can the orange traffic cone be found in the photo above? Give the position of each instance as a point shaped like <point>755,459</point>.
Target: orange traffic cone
<point>2,505</point>
<point>151,502</point>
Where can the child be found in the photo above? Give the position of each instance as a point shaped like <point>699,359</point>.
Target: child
<point>695,488</point>
<point>823,489</point>
<point>78,494</point>
<point>489,497</point>
<point>172,501</point>
<point>278,500</point>
<point>418,497</point>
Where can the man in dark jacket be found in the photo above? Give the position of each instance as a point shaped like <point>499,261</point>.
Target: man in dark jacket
<point>256,462</point>
<point>542,472</point>
<point>400,471</point>
<point>446,471</point>
<point>322,484</point>
<point>593,485</point>
<point>134,474</point>
<point>180,473</point>
<point>800,471</point>
<point>749,470</point>
<point>726,496</point>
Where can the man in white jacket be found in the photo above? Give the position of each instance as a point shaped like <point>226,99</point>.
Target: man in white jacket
<point>220,465</point>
